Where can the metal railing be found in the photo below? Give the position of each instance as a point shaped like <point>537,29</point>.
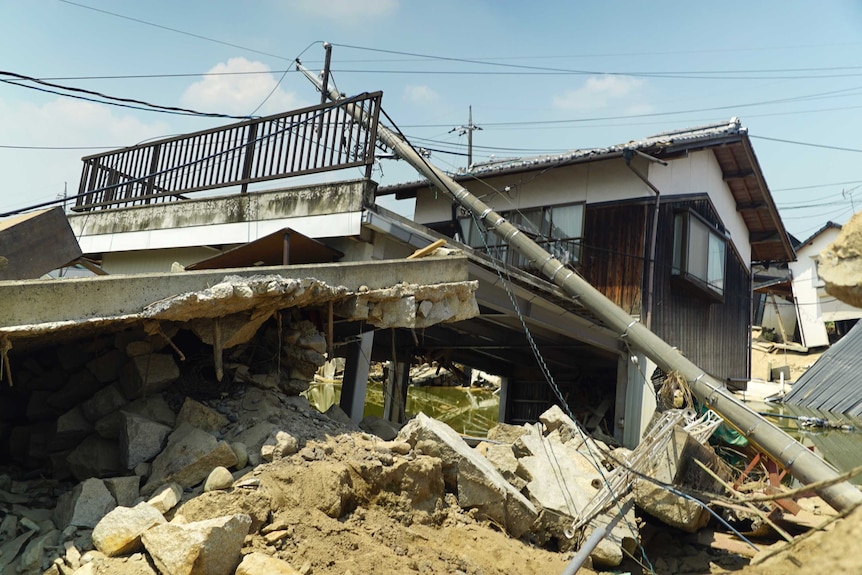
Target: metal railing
<point>311,140</point>
<point>566,250</point>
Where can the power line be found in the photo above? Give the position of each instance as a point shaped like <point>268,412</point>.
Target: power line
<point>168,28</point>
<point>113,100</point>
<point>842,149</point>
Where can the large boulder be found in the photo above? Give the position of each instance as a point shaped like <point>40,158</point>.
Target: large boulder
<point>191,454</point>
<point>119,532</point>
<point>840,264</point>
<point>85,505</point>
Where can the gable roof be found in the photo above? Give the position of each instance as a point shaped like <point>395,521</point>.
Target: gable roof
<point>834,382</point>
<point>827,226</point>
<point>733,151</point>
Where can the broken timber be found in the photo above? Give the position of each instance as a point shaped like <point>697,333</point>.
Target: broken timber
<point>806,466</point>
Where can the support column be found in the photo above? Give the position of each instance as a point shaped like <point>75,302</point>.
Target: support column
<point>639,397</point>
<point>395,394</point>
<point>355,380</point>
<point>504,399</point>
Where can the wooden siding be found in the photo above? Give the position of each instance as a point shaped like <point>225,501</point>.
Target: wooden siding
<point>712,334</point>
<point>613,252</point>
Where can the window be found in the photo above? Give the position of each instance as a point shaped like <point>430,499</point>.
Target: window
<point>557,229</point>
<point>699,253</point>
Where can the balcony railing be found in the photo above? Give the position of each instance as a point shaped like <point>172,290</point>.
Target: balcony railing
<point>310,140</point>
<point>566,250</point>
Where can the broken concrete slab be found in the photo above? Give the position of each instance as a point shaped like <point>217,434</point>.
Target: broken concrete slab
<point>119,532</point>
<point>85,505</point>
<point>210,547</point>
<point>33,244</point>
<point>479,485</point>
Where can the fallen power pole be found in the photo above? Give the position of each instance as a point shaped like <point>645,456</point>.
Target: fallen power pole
<point>803,464</point>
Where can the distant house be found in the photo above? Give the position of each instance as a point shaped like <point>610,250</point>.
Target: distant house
<point>808,314</point>
<point>667,227</point>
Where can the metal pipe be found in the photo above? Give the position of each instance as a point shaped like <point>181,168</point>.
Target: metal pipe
<point>595,537</point>
<point>803,464</point>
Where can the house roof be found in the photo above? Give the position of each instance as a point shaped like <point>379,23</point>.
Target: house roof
<point>827,226</point>
<point>834,382</point>
<point>732,147</point>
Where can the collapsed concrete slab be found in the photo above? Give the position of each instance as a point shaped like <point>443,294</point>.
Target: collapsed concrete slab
<point>479,485</point>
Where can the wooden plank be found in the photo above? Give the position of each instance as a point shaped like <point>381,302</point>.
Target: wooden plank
<point>421,252</point>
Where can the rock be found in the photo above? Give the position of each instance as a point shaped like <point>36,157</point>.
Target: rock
<point>503,459</point>
<point>335,413</point>
<point>166,498</point>
<point>85,505</point>
<point>95,457</point>
<point>382,428</point>
<point>125,490</point>
<point>104,402</point>
<point>479,485</point>
<point>219,478</point>
<point>209,547</point>
<point>253,439</point>
<point>31,558</point>
<point>278,445</point>
<point>149,374</point>
<point>107,367</point>
<point>119,532</point>
<point>201,416</point>
<point>141,439</point>
<point>252,502</point>
<point>153,407</point>
<point>189,457</point>
<point>256,563</point>
<point>9,550</point>
<point>80,386</point>
<point>241,452</point>
<point>72,428</point>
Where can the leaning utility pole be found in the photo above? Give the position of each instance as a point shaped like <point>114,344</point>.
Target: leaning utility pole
<point>803,464</point>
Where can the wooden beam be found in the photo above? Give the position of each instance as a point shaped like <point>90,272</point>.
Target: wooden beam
<point>750,206</point>
<point>742,174</point>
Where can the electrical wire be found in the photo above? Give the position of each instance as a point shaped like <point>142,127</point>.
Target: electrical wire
<point>113,100</point>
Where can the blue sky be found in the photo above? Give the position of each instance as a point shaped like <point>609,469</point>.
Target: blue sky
<point>542,77</point>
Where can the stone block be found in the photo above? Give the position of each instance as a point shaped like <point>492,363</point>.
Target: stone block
<point>140,439</point>
<point>108,366</point>
<point>95,457</point>
<point>166,497</point>
<point>153,407</point>
<point>72,427</point>
<point>189,457</point>
<point>149,374</point>
<point>382,428</point>
<point>81,385</point>
<point>85,505</point>
<point>210,547</point>
<point>479,485</point>
<point>201,416</point>
<point>506,432</point>
<point>119,532</point>
<point>125,490</point>
<point>104,402</point>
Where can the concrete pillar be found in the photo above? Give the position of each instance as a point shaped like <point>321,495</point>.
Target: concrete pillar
<point>395,393</point>
<point>636,396</point>
<point>355,380</point>
<point>504,399</point>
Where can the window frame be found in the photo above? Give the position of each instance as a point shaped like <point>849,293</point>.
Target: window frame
<point>682,261</point>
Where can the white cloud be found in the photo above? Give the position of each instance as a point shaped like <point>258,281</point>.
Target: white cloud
<point>34,176</point>
<point>420,94</point>
<point>346,10</point>
<point>602,92</point>
<point>239,94</point>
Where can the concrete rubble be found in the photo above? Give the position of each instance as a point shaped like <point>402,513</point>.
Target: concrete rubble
<point>157,466</point>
